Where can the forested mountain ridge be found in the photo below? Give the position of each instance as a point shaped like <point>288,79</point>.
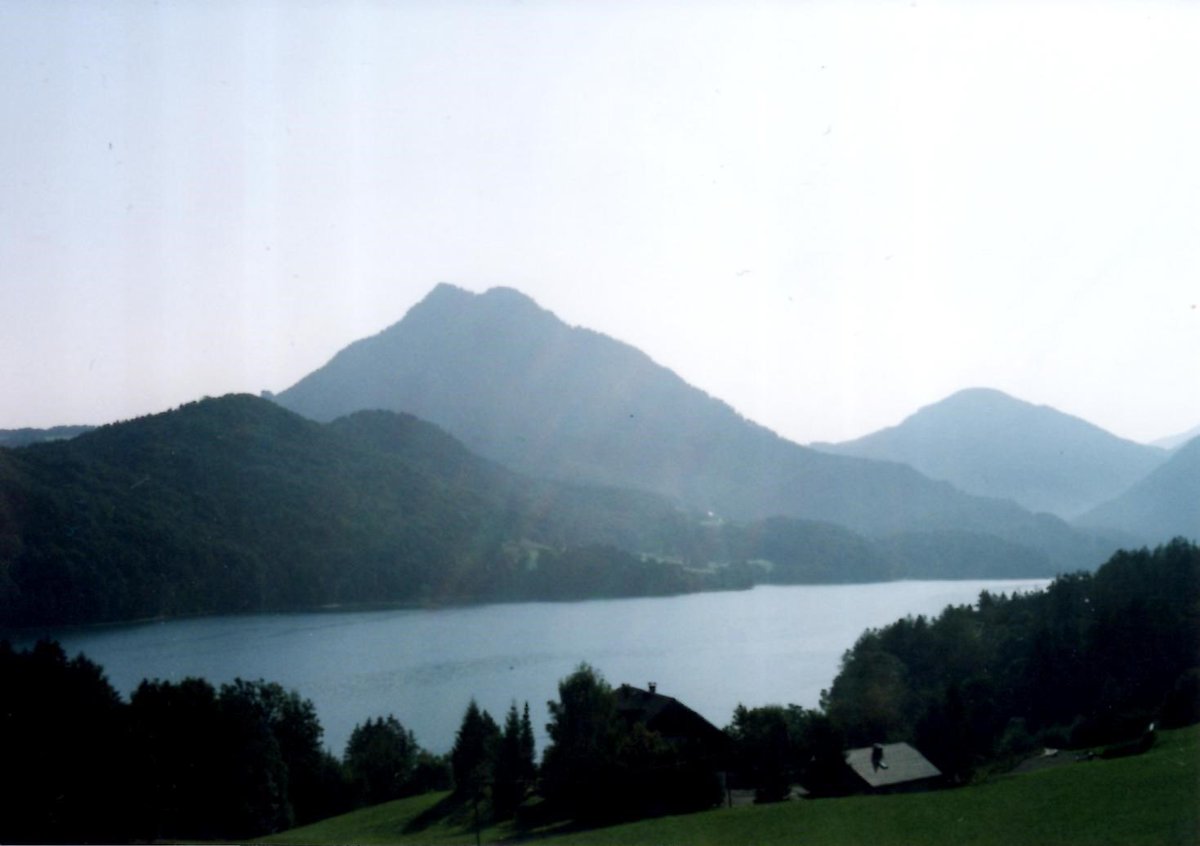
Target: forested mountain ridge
<point>521,387</point>
<point>237,505</point>
<point>26,436</point>
<point>991,444</point>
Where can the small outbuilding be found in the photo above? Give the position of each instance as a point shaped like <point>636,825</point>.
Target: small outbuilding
<point>891,768</point>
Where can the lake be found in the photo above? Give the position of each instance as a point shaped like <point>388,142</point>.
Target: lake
<point>711,651</point>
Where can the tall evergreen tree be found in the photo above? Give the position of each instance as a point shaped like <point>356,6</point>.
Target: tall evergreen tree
<point>528,748</point>
<point>473,758</point>
<point>514,763</point>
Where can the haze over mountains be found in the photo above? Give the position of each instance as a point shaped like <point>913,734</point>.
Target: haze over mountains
<point>1164,504</point>
<point>1175,441</point>
<point>546,462</point>
<point>521,387</point>
<point>988,443</point>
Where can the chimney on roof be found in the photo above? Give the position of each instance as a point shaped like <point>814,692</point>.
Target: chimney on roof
<point>653,686</point>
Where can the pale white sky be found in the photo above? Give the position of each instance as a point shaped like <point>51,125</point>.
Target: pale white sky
<point>826,214</point>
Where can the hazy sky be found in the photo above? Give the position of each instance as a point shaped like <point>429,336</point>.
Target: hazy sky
<point>827,214</point>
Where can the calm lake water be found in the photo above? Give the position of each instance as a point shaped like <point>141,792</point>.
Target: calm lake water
<point>709,650</point>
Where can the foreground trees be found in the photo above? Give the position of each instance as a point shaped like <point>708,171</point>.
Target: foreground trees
<point>776,747</point>
<point>601,765</point>
<point>62,742</point>
<point>515,772</point>
<point>489,763</point>
<point>182,760</point>
<point>1092,660</point>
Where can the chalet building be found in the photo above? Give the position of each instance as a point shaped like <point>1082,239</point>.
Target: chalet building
<point>678,724</point>
<point>695,777</point>
<point>891,768</point>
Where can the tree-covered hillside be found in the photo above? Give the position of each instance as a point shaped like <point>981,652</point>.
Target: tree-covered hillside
<point>236,505</point>
<point>1093,659</point>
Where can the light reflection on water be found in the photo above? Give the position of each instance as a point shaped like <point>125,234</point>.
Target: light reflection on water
<point>711,650</point>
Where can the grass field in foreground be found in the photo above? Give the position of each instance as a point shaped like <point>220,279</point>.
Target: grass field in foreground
<point>1149,799</point>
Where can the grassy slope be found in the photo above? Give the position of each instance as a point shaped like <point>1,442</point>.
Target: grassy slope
<point>1151,799</point>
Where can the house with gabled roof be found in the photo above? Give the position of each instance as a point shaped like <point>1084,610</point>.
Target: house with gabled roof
<point>891,768</point>
<point>670,718</point>
<point>693,775</point>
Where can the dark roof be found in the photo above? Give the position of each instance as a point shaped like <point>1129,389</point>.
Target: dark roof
<point>900,764</point>
<point>665,715</point>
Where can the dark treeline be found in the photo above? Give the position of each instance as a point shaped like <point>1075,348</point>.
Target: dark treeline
<point>1087,663</point>
<point>180,760</point>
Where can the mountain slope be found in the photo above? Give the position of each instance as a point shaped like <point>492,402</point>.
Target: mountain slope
<point>235,504</point>
<point>1164,505</point>
<point>988,443</point>
<point>519,386</point>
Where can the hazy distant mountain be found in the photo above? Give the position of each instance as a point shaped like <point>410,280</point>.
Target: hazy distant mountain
<point>1164,505</point>
<point>519,386</point>
<point>988,443</point>
<point>25,437</point>
<point>1176,441</point>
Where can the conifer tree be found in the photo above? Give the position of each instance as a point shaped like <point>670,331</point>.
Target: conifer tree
<point>473,758</point>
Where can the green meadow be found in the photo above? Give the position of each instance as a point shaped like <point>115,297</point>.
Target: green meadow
<point>1149,799</point>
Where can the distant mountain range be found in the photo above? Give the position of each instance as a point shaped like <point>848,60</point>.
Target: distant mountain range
<point>482,449</point>
<point>524,389</point>
<point>988,443</point>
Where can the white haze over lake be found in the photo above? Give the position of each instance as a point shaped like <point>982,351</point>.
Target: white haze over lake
<point>828,214</point>
<point>712,651</point>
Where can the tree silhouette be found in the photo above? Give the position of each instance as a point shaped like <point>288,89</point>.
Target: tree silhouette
<point>473,758</point>
<point>380,759</point>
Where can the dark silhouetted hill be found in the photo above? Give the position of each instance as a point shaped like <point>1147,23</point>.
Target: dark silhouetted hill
<point>990,444</point>
<point>235,504</point>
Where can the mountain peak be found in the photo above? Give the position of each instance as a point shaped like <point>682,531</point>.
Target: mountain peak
<point>518,385</point>
<point>981,400</point>
<point>991,444</point>
<point>501,295</point>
